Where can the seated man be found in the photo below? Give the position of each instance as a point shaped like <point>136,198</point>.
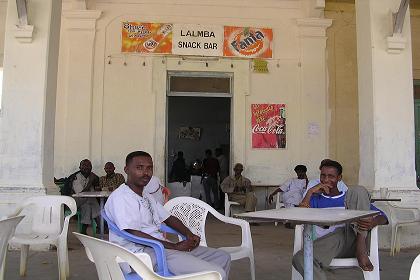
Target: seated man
<point>346,240</point>
<point>293,189</point>
<point>111,180</point>
<point>342,187</point>
<point>239,189</point>
<point>84,180</point>
<point>137,212</point>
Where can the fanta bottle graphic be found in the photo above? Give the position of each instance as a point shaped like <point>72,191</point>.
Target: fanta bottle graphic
<point>151,44</point>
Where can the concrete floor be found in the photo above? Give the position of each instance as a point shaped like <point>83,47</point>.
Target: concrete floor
<point>272,248</point>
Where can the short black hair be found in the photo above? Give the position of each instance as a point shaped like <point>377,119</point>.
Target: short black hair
<point>134,154</point>
<point>332,163</point>
<point>300,167</point>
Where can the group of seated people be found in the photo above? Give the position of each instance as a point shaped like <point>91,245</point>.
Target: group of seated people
<point>135,209</point>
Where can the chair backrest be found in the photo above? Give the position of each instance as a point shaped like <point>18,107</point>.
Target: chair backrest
<point>108,255</point>
<point>415,269</point>
<point>7,229</point>
<point>193,213</point>
<point>105,256</point>
<point>47,212</point>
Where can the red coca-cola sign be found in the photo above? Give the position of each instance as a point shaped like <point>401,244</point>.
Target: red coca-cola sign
<point>268,126</point>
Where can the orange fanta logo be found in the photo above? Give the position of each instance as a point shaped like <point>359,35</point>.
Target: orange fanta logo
<point>248,42</point>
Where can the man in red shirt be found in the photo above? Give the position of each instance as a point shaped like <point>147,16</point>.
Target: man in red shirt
<point>211,168</point>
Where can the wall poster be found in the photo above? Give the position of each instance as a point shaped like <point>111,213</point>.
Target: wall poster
<point>268,126</point>
<point>147,37</point>
<point>248,42</point>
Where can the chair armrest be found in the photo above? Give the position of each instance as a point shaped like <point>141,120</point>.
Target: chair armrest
<point>162,267</point>
<point>167,229</point>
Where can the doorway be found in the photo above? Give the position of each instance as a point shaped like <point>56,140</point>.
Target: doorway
<point>198,117</point>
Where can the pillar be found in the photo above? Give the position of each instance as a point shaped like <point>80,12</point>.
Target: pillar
<point>313,88</point>
<point>386,108</point>
<point>74,103</point>
<point>28,105</point>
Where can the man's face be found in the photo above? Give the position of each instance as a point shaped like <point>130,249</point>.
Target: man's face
<point>238,170</point>
<point>329,176</point>
<point>139,171</point>
<point>85,167</point>
<point>301,174</point>
<point>109,169</point>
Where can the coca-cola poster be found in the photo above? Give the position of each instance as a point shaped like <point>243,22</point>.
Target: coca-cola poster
<point>268,126</point>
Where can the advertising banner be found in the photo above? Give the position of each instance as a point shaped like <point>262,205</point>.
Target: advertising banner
<point>147,37</point>
<point>248,42</point>
<point>268,126</point>
<point>197,39</point>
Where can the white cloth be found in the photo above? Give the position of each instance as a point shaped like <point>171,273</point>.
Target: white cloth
<point>312,183</point>
<point>131,211</point>
<point>154,187</point>
<point>293,190</point>
<point>79,184</point>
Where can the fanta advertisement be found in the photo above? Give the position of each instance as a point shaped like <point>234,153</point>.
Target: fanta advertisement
<point>191,39</point>
<point>248,42</point>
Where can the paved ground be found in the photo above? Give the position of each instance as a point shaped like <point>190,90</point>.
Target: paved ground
<point>272,246</point>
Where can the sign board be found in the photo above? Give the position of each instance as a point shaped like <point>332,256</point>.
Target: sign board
<point>197,39</point>
<point>268,126</point>
<point>146,37</point>
<point>248,42</point>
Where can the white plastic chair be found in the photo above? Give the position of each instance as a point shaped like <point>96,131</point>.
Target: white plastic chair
<point>343,262</point>
<point>228,203</point>
<point>7,229</point>
<point>108,255</point>
<point>279,203</point>
<point>193,213</point>
<point>398,217</point>
<point>415,269</point>
<point>47,214</point>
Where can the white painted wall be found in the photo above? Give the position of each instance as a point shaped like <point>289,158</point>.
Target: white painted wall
<point>127,102</point>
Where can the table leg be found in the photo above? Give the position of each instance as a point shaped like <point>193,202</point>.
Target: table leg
<point>102,218</point>
<point>308,258</point>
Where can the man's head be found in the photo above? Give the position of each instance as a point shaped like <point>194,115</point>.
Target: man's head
<point>109,168</point>
<point>301,171</point>
<point>139,168</point>
<point>180,154</point>
<point>238,168</point>
<point>330,173</point>
<point>208,153</point>
<point>85,167</point>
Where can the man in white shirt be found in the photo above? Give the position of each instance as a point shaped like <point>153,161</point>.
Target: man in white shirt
<point>293,189</point>
<point>138,213</point>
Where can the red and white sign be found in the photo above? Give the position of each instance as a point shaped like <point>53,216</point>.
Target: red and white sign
<point>268,126</point>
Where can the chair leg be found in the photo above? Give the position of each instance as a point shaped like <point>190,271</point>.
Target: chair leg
<point>62,262</point>
<point>276,223</point>
<point>393,235</point>
<point>252,266</point>
<point>227,211</point>
<point>397,242</point>
<point>24,249</point>
<point>2,266</point>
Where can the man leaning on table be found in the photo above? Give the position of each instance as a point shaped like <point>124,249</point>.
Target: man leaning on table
<point>346,240</point>
<point>136,211</point>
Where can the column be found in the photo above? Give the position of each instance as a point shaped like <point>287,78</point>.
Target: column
<point>313,90</point>
<point>74,106</point>
<point>385,84</point>
<point>28,107</point>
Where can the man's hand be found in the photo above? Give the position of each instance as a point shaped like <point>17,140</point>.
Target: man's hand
<point>185,245</point>
<point>367,224</point>
<point>194,238</point>
<point>320,188</point>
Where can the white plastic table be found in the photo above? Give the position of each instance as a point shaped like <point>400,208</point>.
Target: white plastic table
<point>102,195</point>
<point>308,217</point>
